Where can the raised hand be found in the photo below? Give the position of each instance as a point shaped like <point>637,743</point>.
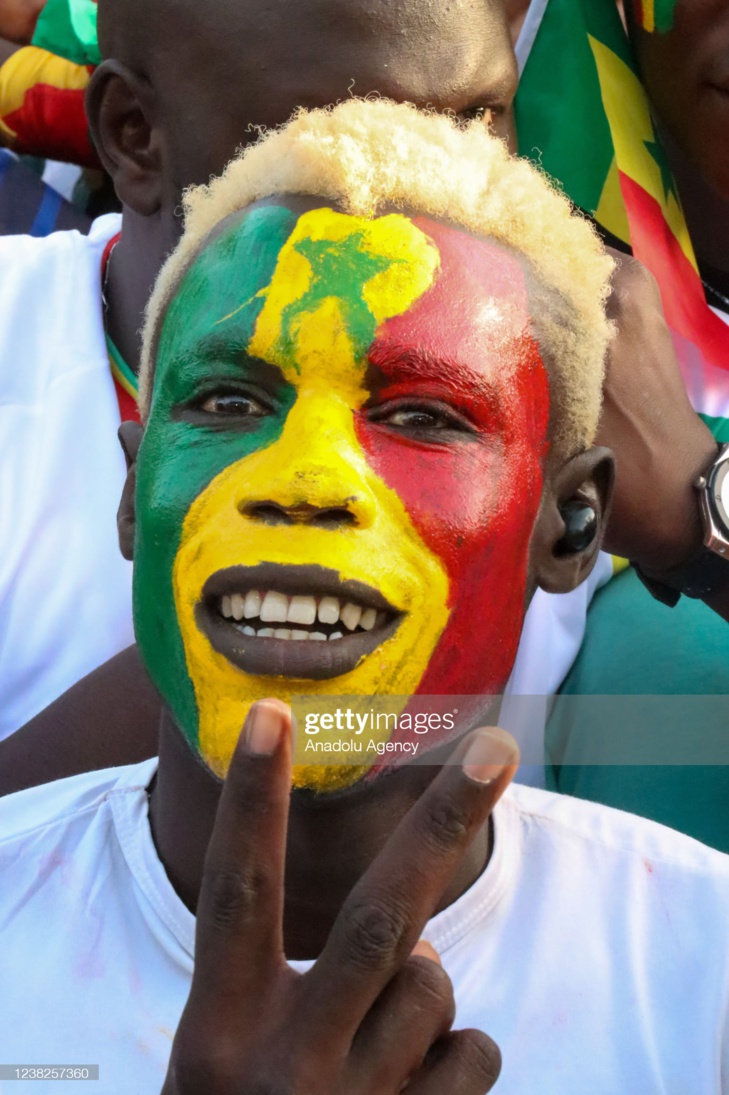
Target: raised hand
<point>373,1016</point>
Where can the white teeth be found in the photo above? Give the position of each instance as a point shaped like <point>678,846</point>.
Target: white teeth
<point>329,610</point>
<point>350,615</point>
<point>252,605</point>
<point>368,619</point>
<point>302,610</point>
<point>275,608</point>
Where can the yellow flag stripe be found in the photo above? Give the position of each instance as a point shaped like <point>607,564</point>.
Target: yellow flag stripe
<point>30,66</point>
<point>631,127</point>
<point>610,212</point>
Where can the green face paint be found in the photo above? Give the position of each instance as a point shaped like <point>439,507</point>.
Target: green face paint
<point>339,268</point>
<point>180,456</point>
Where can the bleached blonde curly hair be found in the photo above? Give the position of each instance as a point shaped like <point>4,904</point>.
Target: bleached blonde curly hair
<point>368,154</point>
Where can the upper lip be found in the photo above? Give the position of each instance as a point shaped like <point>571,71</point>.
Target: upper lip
<point>274,656</point>
<point>293,579</point>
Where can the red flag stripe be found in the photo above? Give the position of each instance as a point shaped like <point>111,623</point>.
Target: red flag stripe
<point>683,297</point>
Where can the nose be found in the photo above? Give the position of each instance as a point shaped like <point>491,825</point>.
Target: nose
<point>270,512</point>
<point>315,476</point>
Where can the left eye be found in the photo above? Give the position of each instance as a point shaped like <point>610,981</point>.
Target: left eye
<point>478,113</point>
<point>421,419</point>
<point>241,406</point>
<point>417,420</point>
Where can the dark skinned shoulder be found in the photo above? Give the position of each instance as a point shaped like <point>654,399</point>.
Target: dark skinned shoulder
<point>108,718</point>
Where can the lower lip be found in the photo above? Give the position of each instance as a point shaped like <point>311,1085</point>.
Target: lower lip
<point>309,660</point>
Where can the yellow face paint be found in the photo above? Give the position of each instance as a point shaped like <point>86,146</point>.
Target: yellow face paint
<point>337,277</point>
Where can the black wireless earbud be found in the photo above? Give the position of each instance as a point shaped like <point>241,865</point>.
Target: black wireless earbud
<point>580,528</point>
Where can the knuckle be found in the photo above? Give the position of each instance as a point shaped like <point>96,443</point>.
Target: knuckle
<point>446,822</point>
<point>374,933</point>
<point>430,984</point>
<point>235,897</point>
<point>480,1055</point>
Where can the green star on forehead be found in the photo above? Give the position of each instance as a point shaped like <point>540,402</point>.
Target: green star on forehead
<point>339,268</point>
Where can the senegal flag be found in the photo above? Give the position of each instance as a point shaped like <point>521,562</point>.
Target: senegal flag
<point>654,14</point>
<point>42,86</point>
<point>42,107</point>
<point>583,115</point>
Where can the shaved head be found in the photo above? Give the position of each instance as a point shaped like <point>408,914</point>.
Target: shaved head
<point>220,69</point>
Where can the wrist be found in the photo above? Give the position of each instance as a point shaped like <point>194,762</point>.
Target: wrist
<point>678,533</point>
<point>705,573</point>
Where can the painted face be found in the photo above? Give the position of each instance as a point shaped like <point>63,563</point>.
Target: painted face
<point>340,472</point>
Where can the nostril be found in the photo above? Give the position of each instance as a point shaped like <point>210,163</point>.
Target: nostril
<point>272,513</point>
<point>268,512</point>
<point>336,517</point>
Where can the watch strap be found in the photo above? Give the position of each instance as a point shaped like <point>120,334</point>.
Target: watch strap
<point>704,574</point>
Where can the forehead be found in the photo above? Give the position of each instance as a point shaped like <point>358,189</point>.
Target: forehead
<point>445,53</point>
<point>410,282</point>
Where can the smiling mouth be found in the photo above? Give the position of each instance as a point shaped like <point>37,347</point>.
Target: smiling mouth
<point>300,622</point>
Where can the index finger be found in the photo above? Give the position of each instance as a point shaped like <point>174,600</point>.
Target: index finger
<point>239,931</point>
<point>383,917</point>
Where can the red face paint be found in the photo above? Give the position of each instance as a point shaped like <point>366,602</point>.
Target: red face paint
<point>468,343</point>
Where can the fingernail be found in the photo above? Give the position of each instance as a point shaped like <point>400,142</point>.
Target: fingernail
<point>265,726</point>
<point>490,752</point>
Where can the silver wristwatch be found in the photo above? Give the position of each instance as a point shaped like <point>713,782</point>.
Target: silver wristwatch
<point>714,502</point>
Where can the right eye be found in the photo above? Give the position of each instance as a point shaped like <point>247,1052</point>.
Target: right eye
<point>241,406</point>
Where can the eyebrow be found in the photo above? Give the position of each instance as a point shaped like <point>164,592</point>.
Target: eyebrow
<point>391,362</point>
<point>230,351</point>
<point>226,345</point>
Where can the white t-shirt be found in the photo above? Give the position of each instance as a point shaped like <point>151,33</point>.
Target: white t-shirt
<point>65,590</point>
<point>594,948</point>
<point>65,601</point>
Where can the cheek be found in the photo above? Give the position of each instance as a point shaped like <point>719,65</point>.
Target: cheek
<point>474,505</point>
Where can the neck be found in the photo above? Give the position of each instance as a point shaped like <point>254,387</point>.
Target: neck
<point>332,840</point>
<point>133,268</point>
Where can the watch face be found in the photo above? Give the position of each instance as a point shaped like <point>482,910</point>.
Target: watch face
<point>721,494</point>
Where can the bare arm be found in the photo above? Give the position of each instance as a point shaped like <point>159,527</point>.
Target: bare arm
<point>661,445</point>
<point>108,718</point>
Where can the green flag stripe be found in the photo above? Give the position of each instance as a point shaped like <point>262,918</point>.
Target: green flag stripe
<point>664,12</point>
<point>718,426</point>
<point>68,29</point>
<point>559,114</point>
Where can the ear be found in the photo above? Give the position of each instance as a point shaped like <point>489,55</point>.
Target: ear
<point>130,437</point>
<point>119,105</point>
<point>563,550</point>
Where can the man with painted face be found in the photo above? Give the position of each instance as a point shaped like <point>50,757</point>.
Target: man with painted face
<point>370,382</point>
<point>163,117</point>
<point>155,136</point>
